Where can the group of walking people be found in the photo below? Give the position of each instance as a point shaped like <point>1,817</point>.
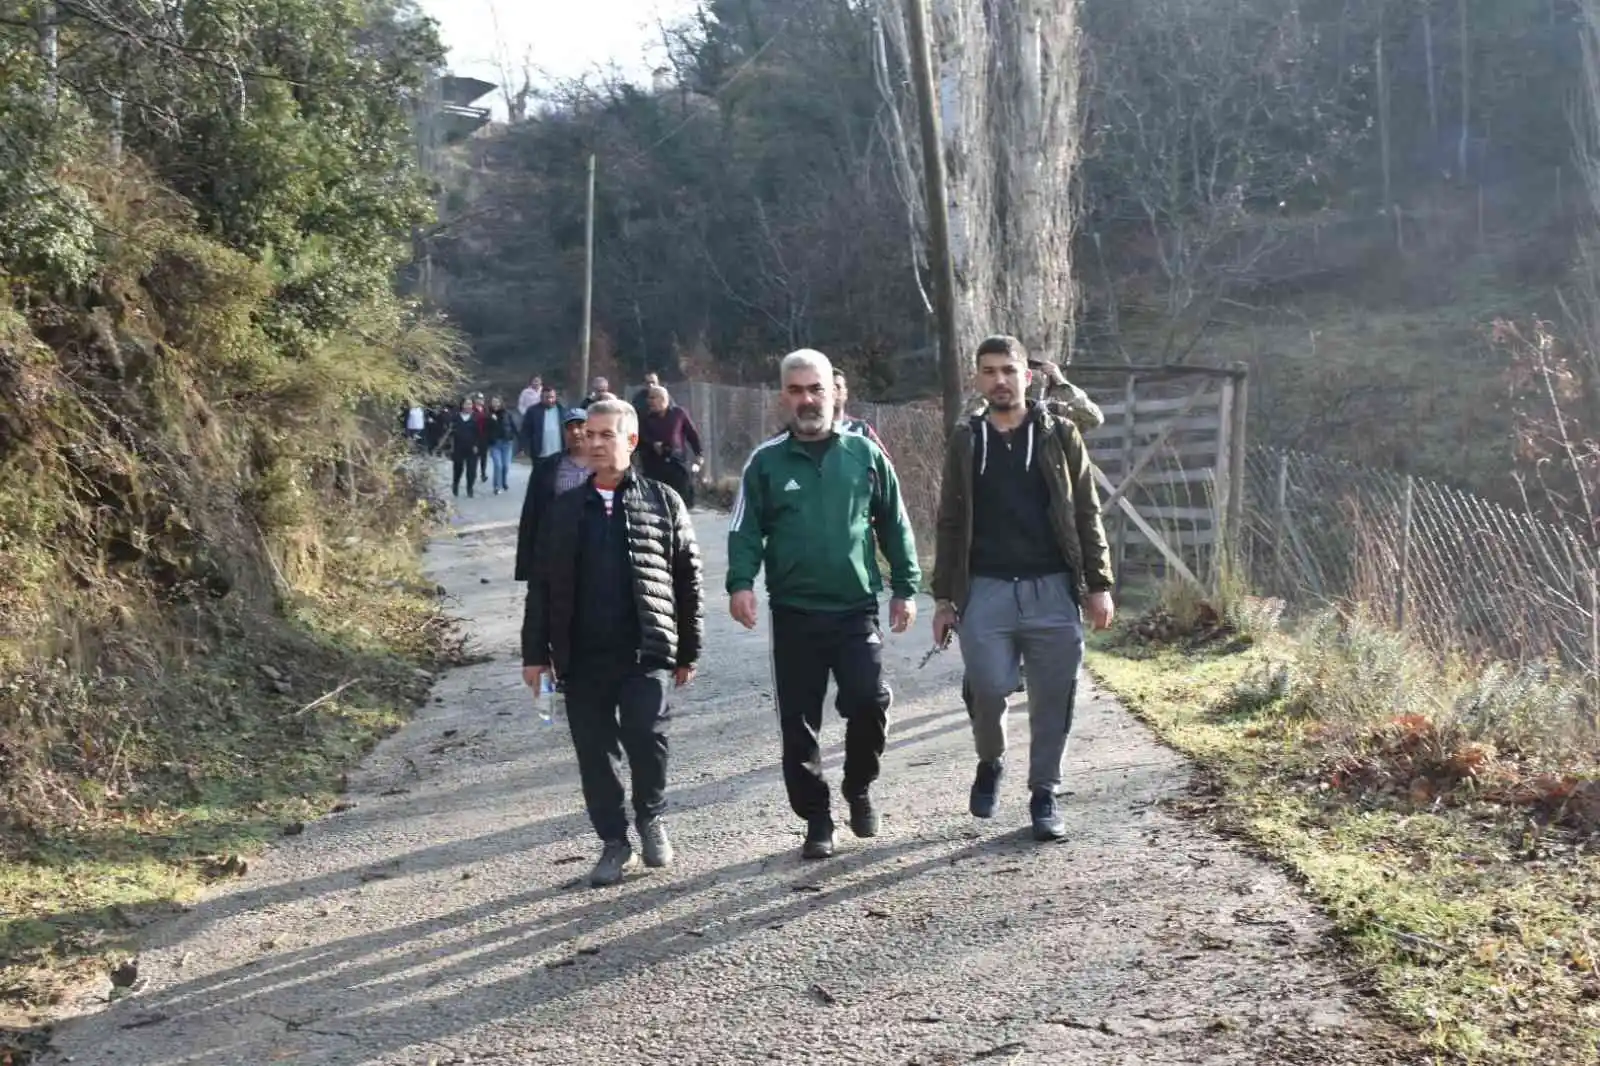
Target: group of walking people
<point>615,605</point>
<point>479,435</point>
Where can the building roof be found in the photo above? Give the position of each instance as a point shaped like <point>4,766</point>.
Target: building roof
<point>462,91</point>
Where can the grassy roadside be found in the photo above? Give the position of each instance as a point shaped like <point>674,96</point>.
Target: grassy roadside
<point>1443,820</point>
<point>274,711</point>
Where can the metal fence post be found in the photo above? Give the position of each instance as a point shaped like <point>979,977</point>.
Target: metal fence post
<point>1280,527</point>
<point>1594,643</point>
<point>1405,553</point>
<point>1236,461</point>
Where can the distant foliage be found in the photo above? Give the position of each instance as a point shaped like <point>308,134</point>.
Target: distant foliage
<point>755,200</point>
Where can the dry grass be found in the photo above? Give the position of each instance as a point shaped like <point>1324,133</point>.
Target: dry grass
<point>1444,813</point>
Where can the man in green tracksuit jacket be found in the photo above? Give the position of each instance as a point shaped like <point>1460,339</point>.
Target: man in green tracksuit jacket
<point>809,502</point>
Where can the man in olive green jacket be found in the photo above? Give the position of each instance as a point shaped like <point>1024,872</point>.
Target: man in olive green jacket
<point>810,501</point>
<point>1020,553</point>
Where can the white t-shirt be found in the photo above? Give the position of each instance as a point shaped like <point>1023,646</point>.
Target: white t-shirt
<point>527,399</point>
<point>552,432</point>
<point>608,497</point>
<point>416,421</point>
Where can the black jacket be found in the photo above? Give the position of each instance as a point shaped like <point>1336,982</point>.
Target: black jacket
<point>665,559</point>
<point>499,427</point>
<point>541,490</point>
<point>531,432</point>
<point>466,441</point>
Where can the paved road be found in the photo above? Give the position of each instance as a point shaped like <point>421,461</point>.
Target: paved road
<point>442,920</point>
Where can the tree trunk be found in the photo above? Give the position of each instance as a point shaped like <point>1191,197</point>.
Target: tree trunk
<point>950,52</point>
<point>50,51</point>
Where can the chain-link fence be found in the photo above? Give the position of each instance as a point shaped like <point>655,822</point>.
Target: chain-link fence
<point>732,420</point>
<point>1456,570</point>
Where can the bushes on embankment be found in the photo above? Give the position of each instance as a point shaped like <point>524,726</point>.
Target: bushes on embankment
<point>210,602</point>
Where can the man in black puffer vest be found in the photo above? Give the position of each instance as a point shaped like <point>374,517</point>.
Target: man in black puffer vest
<point>614,610</point>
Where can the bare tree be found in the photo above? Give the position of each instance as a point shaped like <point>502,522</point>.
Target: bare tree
<point>1206,130</point>
<point>1008,92</point>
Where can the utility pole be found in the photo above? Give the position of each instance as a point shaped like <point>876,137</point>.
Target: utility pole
<point>936,194</point>
<point>588,279</point>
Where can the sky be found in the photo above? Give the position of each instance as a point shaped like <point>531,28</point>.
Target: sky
<point>560,39</point>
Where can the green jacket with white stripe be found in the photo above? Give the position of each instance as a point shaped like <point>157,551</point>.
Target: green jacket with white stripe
<point>811,522</point>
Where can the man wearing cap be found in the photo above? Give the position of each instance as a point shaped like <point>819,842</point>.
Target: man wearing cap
<point>552,476</point>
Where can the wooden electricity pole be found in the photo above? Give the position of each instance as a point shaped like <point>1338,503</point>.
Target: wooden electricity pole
<point>937,197</point>
<point>588,284</point>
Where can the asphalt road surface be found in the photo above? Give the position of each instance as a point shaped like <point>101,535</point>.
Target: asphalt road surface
<point>446,919</point>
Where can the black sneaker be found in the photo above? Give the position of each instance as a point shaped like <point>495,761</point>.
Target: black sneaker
<point>614,860</point>
<point>863,817</point>
<point>819,839</point>
<point>986,789</point>
<point>1047,821</point>
<point>654,843</point>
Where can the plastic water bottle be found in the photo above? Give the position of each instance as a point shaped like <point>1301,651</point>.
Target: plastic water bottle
<point>547,700</point>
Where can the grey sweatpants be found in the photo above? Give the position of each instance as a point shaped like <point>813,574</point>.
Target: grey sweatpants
<point>1005,624</point>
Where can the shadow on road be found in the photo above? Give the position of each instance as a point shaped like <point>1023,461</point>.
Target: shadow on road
<point>371,984</point>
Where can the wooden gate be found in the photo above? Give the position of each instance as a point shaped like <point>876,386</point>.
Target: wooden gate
<point>1170,465</point>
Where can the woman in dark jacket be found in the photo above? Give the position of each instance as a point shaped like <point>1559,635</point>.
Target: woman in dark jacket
<point>501,432</point>
<point>466,446</point>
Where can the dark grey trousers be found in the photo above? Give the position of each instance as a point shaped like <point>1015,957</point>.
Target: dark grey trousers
<point>1006,623</point>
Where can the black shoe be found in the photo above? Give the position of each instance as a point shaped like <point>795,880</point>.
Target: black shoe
<point>614,860</point>
<point>986,789</point>
<point>863,817</point>
<point>819,839</point>
<point>654,843</point>
<point>1047,821</point>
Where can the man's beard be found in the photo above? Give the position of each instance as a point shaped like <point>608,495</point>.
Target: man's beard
<point>1007,403</point>
<point>811,418</point>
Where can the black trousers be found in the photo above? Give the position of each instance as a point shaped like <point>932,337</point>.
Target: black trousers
<point>615,708</point>
<point>806,647</point>
<point>673,474</point>
<point>468,466</point>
